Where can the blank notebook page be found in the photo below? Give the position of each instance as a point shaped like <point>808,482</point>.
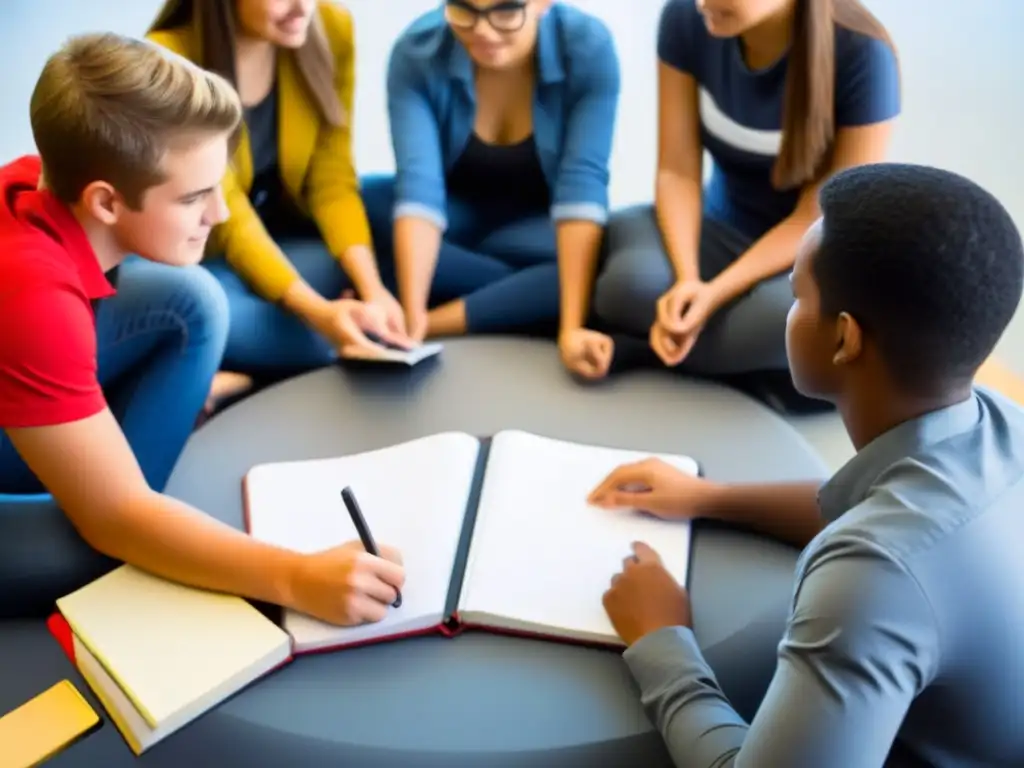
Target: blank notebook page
<point>413,497</point>
<point>167,644</point>
<point>540,553</point>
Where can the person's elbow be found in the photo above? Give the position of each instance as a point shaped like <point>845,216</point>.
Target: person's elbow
<point>421,211</point>
<point>420,196</point>
<point>107,524</point>
<point>581,194</point>
<point>581,190</point>
<point>671,188</point>
<point>580,212</point>
<point>92,474</point>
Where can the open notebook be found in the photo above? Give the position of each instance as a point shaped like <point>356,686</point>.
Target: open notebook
<point>494,534</point>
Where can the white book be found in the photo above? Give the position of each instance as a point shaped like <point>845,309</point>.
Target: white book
<point>159,654</point>
<point>498,537</point>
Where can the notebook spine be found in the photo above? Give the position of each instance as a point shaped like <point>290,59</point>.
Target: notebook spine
<point>452,626</point>
<point>466,536</point>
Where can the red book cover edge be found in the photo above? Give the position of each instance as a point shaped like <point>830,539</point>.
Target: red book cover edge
<point>61,631</point>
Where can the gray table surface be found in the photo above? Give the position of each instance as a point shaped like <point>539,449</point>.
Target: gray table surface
<point>476,700</point>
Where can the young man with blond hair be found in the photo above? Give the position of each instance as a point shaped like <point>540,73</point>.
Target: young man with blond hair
<point>104,370</point>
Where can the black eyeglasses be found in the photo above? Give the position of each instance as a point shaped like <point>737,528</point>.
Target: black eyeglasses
<point>508,16</point>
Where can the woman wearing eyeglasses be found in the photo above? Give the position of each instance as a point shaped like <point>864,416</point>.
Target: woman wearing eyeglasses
<point>501,119</point>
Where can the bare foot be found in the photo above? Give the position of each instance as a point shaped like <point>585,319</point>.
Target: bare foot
<point>226,384</point>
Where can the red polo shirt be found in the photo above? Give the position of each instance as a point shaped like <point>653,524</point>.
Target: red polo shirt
<point>49,275</point>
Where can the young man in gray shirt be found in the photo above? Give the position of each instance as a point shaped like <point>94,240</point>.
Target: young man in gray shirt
<point>904,640</point>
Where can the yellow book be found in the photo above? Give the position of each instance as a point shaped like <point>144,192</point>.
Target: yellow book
<point>44,726</point>
<point>159,654</point>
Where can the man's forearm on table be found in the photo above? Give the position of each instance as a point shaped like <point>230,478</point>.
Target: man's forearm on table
<point>788,512</point>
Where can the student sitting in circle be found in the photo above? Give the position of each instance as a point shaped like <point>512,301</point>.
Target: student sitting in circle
<point>501,119</point>
<point>781,94</point>
<point>297,238</point>
<point>903,642</point>
<point>99,388</point>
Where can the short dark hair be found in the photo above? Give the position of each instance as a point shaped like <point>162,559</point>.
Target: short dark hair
<point>930,264</point>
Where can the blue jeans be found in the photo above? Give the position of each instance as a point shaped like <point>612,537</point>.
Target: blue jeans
<point>159,345</point>
<point>502,263</point>
<point>264,337</point>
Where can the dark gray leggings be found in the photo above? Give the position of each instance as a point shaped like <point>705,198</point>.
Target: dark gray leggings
<point>746,336</point>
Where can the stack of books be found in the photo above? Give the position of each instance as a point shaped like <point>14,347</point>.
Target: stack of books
<point>159,654</point>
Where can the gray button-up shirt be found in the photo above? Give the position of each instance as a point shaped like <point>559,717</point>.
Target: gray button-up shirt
<point>905,642</point>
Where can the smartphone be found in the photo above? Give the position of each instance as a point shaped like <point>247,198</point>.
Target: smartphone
<point>44,726</point>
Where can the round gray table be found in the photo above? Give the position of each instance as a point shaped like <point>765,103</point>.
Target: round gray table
<point>476,700</point>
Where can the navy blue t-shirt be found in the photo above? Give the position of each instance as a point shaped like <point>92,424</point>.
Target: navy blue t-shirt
<point>741,110</point>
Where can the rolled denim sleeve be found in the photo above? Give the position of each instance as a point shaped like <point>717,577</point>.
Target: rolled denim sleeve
<point>416,141</point>
<point>861,644</point>
<point>581,189</point>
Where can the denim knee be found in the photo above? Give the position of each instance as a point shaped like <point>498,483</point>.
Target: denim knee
<point>202,304</point>
<point>378,195</point>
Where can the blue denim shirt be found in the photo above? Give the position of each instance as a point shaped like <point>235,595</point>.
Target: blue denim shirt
<point>432,108</point>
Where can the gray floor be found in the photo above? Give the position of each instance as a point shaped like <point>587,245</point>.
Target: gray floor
<point>963,105</point>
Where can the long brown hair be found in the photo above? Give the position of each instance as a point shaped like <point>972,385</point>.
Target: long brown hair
<point>213,23</point>
<point>808,113</point>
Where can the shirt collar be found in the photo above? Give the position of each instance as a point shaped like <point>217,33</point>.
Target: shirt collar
<point>853,482</point>
<point>73,237</point>
<point>549,53</point>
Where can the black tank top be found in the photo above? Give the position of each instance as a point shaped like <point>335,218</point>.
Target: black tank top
<point>505,174</point>
<point>267,192</point>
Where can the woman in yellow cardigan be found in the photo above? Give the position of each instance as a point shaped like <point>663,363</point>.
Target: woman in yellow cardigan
<point>297,242</point>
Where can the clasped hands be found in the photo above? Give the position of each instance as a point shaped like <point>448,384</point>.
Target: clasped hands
<point>682,312</point>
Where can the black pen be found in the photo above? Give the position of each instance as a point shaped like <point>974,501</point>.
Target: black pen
<point>363,529</point>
